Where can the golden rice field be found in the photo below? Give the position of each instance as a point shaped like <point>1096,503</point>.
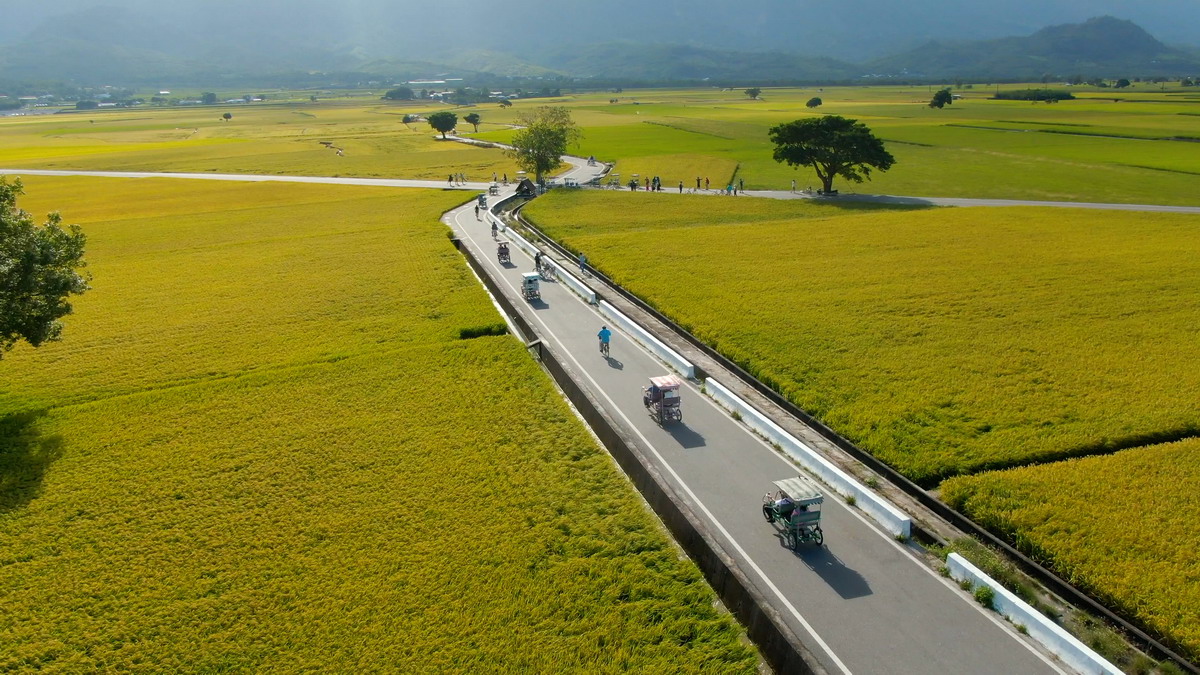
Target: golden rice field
<point>261,447</point>
<point>268,139</point>
<point>1123,526</point>
<point>944,341</point>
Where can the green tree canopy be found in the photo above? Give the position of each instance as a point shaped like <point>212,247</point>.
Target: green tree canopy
<point>833,146</point>
<point>942,98</point>
<point>443,121</point>
<point>814,102</point>
<point>227,116</point>
<point>473,119</point>
<point>545,135</point>
<point>753,92</point>
<point>208,98</point>
<point>399,94</point>
<point>38,269</point>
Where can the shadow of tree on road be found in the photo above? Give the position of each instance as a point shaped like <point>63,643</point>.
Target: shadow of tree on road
<point>25,454</point>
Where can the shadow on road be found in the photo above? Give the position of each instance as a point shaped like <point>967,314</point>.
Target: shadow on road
<point>844,581</point>
<point>685,436</point>
<point>539,305</point>
<point>614,363</point>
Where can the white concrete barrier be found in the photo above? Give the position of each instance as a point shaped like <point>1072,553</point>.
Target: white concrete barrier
<point>1061,643</point>
<point>892,519</point>
<point>521,242</point>
<point>647,340</point>
<point>574,284</point>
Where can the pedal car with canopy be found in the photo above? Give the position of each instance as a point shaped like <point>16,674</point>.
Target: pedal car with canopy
<point>795,505</point>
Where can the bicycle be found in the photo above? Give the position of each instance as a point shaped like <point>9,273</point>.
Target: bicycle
<point>604,348</point>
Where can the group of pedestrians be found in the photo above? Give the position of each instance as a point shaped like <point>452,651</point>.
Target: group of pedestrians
<point>457,179</point>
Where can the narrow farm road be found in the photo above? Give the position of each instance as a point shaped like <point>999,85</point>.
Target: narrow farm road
<point>863,603</point>
<point>771,194</point>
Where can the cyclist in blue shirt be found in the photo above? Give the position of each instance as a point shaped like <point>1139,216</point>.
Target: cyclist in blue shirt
<point>605,335</point>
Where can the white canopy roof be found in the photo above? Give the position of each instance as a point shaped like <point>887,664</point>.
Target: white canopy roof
<point>801,490</point>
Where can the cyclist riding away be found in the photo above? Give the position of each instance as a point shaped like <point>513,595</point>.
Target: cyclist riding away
<point>605,336</point>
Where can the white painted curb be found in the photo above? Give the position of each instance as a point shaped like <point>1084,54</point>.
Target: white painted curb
<point>569,279</point>
<point>1061,643</point>
<point>892,519</point>
<point>648,341</point>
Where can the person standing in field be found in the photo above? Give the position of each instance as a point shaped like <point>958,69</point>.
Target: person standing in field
<point>697,182</point>
<point>680,187</point>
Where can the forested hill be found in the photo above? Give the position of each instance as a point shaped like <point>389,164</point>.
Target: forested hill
<point>1102,46</point>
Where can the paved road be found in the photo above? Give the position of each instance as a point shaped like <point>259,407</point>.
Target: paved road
<point>864,603</point>
<point>580,163</point>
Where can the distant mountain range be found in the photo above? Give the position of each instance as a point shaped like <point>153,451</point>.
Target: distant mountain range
<point>1103,46</point>
<point>141,43</point>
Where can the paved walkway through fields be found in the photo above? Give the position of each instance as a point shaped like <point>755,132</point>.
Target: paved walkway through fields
<point>772,194</point>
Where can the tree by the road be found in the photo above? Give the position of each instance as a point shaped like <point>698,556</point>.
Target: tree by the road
<point>753,92</point>
<point>399,94</point>
<point>443,121</point>
<point>814,102</point>
<point>1122,83</point>
<point>409,119</point>
<point>208,98</point>
<point>941,99</point>
<point>473,119</point>
<point>39,268</point>
<point>545,135</point>
<point>833,146</point>
<point>227,116</point>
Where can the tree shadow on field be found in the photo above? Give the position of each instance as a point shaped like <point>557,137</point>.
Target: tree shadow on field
<point>872,202</point>
<point>25,454</point>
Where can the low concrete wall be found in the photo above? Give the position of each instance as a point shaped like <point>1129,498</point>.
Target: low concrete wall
<point>648,341</point>
<point>521,242</point>
<point>892,519</point>
<point>581,289</point>
<point>779,646</point>
<point>1060,643</point>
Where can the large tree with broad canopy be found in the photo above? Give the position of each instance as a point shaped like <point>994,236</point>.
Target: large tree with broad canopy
<point>833,146</point>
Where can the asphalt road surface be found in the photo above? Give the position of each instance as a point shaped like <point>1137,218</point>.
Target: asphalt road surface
<point>863,602</point>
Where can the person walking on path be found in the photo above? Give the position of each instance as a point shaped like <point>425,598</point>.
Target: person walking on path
<point>582,264</point>
<point>697,182</point>
<point>450,180</point>
<point>706,183</point>
<point>793,186</point>
<point>537,262</point>
<point>741,185</point>
<point>476,211</point>
<point>680,187</point>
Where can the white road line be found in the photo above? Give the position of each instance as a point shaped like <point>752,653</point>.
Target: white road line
<point>666,465</point>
